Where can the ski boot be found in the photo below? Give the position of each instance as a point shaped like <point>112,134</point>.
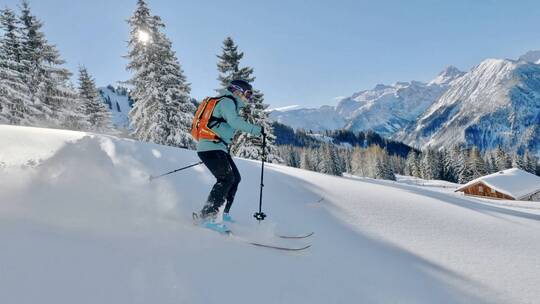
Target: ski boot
<point>209,222</point>
<point>227,218</point>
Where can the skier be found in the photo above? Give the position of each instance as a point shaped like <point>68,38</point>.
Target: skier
<point>214,151</point>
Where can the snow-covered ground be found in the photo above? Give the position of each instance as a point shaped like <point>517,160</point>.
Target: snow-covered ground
<point>81,223</point>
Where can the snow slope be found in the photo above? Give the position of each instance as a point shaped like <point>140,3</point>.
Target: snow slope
<point>80,223</point>
<point>117,101</point>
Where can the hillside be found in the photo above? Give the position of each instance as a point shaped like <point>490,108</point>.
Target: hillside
<point>119,103</point>
<point>81,223</point>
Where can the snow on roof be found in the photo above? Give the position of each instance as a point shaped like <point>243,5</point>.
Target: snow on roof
<point>513,182</point>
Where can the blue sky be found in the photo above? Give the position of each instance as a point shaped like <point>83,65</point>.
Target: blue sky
<point>304,52</point>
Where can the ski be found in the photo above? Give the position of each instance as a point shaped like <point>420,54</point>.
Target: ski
<point>196,222</point>
<point>279,247</point>
<point>294,237</point>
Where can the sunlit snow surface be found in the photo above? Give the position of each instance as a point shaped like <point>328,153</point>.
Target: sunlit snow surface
<point>81,223</point>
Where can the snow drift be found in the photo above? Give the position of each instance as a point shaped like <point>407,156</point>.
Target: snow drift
<point>81,223</point>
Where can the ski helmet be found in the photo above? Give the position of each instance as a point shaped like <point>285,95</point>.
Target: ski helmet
<point>239,84</point>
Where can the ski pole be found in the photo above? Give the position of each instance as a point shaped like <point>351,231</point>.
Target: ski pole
<point>174,171</point>
<point>260,215</point>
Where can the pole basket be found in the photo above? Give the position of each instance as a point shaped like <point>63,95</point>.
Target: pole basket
<point>260,216</point>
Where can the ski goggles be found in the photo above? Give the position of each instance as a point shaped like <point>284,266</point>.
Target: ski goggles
<point>247,93</point>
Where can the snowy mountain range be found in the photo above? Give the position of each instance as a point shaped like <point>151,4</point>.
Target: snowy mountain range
<point>384,109</point>
<point>119,103</point>
<point>496,103</point>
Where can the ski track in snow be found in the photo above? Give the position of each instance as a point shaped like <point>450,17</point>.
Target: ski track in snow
<point>84,225</point>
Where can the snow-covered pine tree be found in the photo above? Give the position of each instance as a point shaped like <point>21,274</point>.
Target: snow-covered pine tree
<point>387,167</point>
<point>179,105</point>
<point>410,163</point>
<point>330,162</point>
<point>430,165</point>
<point>345,156</point>
<point>306,161</point>
<point>465,172</point>
<point>316,159</point>
<point>49,89</point>
<point>74,117</point>
<point>290,155</point>
<point>162,112</point>
<point>491,164</point>
<point>383,169</point>
<point>502,159</point>
<point>15,106</point>
<point>246,145</point>
<point>477,164</point>
<point>518,161</point>
<point>530,162</point>
<point>417,172</point>
<point>379,169</point>
<point>94,111</point>
<point>229,64</point>
<point>449,168</point>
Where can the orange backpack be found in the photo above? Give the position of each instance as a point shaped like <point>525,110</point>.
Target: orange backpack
<point>200,128</point>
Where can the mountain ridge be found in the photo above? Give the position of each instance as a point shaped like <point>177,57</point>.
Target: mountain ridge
<point>384,109</point>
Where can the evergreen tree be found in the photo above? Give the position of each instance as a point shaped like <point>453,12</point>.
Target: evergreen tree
<point>246,145</point>
<point>15,107</point>
<point>530,162</point>
<point>229,64</point>
<point>383,169</point>
<point>491,163</point>
<point>345,156</point>
<point>502,160</point>
<point>478,167</point>
<point>387,167</point>
<point>93,109</point>
<point>306,162</point>
<point>410,164</point>
<point>163,111</point>
<point>518,162</point>
<point>330,162</point>
<point>430,165</point>
<point>417,172</point>
<point>465,173</point>
<point>290,156</point>
<point>74,117</point>
<point>47,80</point>
<point>449,168</point>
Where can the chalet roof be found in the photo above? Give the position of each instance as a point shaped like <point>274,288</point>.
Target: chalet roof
<point>513,182</point>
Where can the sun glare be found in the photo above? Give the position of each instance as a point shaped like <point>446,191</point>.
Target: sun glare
<point>143,36</point>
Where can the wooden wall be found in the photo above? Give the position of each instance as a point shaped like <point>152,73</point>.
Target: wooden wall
<point>481,189</point>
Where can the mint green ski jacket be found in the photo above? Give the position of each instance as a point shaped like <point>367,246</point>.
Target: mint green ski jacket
<point>226,109</point>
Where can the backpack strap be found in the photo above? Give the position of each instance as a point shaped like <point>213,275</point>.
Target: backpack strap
<point>215,121</point>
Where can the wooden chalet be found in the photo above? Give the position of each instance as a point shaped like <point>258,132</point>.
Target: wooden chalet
<point>511,184</point>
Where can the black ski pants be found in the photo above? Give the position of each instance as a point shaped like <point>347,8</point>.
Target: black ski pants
<point>222,166</point>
